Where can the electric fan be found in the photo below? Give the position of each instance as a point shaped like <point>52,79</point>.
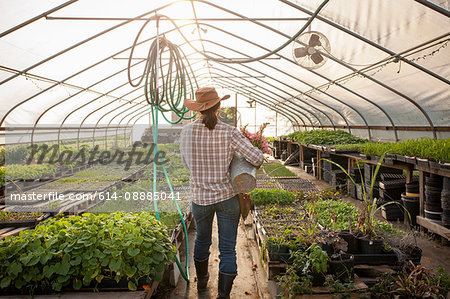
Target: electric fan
<point>308,48</point>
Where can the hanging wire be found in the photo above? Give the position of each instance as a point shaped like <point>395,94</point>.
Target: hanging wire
<point>246,60</point>
<point>380,67</point>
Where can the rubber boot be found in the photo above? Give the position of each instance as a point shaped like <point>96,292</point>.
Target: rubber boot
<point>201,268</point>
<point>225,285</point>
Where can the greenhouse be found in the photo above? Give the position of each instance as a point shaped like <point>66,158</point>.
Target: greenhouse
<point>225,149</point>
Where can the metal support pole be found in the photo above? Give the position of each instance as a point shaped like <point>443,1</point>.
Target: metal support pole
<point>255,117</point>
<point>235,109</point>
<point>276,123</point>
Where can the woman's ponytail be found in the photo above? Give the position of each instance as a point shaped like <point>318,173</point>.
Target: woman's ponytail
<point>210,116</point>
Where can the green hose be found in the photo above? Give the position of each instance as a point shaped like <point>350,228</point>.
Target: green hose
<point>165,96</point>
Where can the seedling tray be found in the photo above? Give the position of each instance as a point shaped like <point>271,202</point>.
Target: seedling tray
<point>24,223</point>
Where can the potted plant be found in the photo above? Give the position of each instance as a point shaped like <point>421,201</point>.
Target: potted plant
<point>332,243</point>
<point>278,246</point>
<point>318,261</point>
<point>341,263</point>
<point>370,242</point>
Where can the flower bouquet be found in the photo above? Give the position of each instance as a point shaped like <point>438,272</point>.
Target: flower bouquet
<point>257,139</point>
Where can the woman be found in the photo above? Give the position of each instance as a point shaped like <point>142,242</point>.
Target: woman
<point>207,146</point>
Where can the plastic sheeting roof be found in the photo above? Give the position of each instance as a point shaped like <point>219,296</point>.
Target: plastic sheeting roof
<point>387,74</point>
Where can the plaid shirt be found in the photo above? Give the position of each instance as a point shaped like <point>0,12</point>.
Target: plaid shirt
<point>208,154</point>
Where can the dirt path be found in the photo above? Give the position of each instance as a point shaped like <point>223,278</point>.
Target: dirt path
<point>248,284</point>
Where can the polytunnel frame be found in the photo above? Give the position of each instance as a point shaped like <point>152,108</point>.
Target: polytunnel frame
<point>354,70</point>
<point>238,70</point>
<point>285,114</point>
<point>314,15</point>
<point>144,111</point>
<point>101,94</point>
<point>216,6</point>
<point>136,104</point>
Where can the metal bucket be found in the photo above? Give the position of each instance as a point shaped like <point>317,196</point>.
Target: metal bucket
<point>243,174</point>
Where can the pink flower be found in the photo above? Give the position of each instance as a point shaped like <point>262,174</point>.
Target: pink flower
<point>257,139</point>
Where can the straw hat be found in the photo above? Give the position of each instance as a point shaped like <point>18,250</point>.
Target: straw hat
<point>205,98</point>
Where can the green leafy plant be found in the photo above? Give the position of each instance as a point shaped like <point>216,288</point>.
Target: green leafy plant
<point>335,215</point>
<point>2,175</point>
<point>80,250</point>
<point>6,216</point>
<point>272,196</point>
<point>325,137</point>
<point>318,259</point>
<point>332,239</point>
<point>29,172</point>
<point>15,154</point>
<point>435,149</point>
<point>276,170</point>
<point>366,219</point>
<point>339,289</point>
<point>298,277</point>
<point>412,282</point>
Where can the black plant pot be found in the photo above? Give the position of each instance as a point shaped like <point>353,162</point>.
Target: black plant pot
<point>412,188</point>
<point>342,268</point>
<point>318,279</point>
<point>278,253</point>
<point>392,212</point>
<point>327,248</point>
<point>446,184</point>
<point>414,254</point>
<point>435,216</point>
<point>445,200</point>
<point>422,162</point>
<point>411,160</point>
<point>433,164</point>
<point>433,207</point>
<point>444,166</point>
<point>411,205</point>
<point>352,241</point>
<point>446,218</point>
<point>401,158</point>
<point>371,246</point>
<point>434,181</point>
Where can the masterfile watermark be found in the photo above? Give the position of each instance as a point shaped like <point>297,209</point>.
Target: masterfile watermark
<point>138,155</point>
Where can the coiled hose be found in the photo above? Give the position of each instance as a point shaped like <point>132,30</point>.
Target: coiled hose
<point>165,89</point>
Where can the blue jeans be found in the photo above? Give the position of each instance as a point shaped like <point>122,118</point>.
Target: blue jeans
<point>228,213</point>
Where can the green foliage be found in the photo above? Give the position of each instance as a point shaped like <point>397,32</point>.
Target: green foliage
<point>324,137</point>
<point>277,170</point>
<point>272,196</point>
<point>318,259</point>
<point>366,218</point>
<point>298,280</point>
<point>326,194</point>
<point>349,147</point>
<point>17,216</point>
<point>2,175</point>
<point>16,154</point>
<point>438,150</point>
<point>335,215</point>
<point>226,114</point>
<point>80,250</point>
<point>412,282</point>
<point>29,172</point>
<point>2,155</point>
<point>339,289</point>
